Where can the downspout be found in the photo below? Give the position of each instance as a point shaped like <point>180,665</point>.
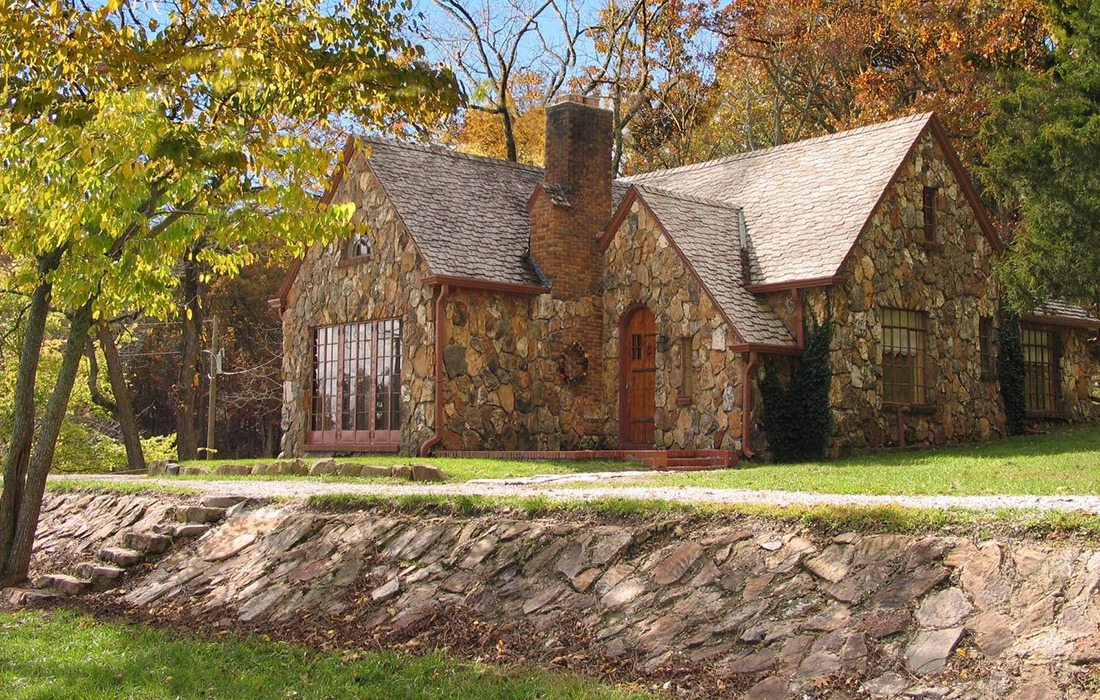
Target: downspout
<point>746,407</point>
<point>441,295</point>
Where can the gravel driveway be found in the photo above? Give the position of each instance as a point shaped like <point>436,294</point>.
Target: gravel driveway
<point>549,487</point>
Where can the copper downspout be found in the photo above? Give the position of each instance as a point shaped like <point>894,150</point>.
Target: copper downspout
<point>444,290</point>
<point>746,407</point>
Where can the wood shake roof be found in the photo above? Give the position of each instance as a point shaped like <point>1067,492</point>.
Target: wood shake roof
<point>805,202</point>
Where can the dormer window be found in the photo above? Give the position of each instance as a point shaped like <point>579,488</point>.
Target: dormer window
<point>358,247</point>
<point>929,207</point>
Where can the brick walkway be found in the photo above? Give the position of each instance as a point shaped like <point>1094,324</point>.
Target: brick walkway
<point>549,487</point>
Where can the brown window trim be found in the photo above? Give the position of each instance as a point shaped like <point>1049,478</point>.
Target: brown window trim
<point>918,333</point>
<point>930,214</point>
<point>1053,392</point>
<point>371,438</point>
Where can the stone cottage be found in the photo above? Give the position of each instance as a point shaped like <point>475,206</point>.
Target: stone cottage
<point>488,306</point>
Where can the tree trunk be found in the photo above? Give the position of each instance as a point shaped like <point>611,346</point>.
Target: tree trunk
<point>124,404</point>
<point>22,433</point>
<point>17,562</point>
<point>187,383</point>
<point>509,135</point>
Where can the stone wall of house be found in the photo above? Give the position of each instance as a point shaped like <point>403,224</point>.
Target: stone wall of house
<point>642,267</point>
<point>504,389</point>
<point>387,284</point>
<point>951,280</point>
<point>1080,372</point>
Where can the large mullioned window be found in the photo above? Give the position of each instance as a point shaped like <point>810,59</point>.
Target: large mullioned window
<point>903,356</point>
<point>1040,369</point>
<point>355,395</point>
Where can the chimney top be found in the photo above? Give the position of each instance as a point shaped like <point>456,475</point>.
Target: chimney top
<point>586,100</point>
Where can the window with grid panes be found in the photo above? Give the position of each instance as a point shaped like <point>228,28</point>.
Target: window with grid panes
<point>903,356</point>
<point>1040,369</point>
<point>356,386</point>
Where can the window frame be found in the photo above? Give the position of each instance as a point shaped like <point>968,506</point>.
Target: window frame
<point>916,347</point>
<point>362,359</point>
<point>349,254</point>
<point>1050,390</point>
<point>930,213</point>
<point>987,347</point>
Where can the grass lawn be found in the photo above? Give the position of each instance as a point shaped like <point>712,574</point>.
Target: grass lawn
<point>65,656</point>
<point>1064,461</point>
<point>456,468</point>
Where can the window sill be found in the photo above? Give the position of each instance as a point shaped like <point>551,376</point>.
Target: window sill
<point>932,246</point>
<point>354,262</point>
<point>1044,415</point>
<point>920,408</point>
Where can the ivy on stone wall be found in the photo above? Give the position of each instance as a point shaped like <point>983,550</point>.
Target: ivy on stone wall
<point>1010,373</point>
<point>796,417</point>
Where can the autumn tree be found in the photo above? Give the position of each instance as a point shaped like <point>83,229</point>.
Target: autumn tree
<point>786,70</point>
<point>127,138</point>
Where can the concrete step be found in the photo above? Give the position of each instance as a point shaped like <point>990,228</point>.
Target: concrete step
<point>120,556</point>
<point>64,584</point>
<point>102,576</point>
<point>199,515</point>
<point>147,542</point>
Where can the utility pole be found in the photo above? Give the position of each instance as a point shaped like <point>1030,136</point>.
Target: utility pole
<point>212,401</point>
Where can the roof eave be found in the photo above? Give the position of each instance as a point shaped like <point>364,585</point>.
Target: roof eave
<point>1085,323</point>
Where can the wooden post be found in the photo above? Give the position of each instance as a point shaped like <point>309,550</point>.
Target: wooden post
<point>212,400</point>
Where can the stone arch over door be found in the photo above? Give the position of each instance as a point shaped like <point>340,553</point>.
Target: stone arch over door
<point>637,377</point>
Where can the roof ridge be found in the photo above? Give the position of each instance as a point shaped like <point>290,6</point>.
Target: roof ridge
<point>717,203</point>
<point>445,151</point>
<point>744,155</point>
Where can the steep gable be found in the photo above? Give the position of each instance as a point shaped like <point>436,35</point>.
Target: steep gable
<point>806,202</point>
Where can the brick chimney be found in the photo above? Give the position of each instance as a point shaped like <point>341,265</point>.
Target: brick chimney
<point>566,224</point>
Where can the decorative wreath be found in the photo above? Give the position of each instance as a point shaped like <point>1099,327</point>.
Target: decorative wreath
<point>573,364</point>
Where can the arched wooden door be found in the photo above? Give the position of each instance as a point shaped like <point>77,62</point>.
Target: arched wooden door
<point>638,378</point>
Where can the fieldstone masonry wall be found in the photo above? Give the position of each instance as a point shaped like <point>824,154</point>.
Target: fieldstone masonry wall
<point>755,609</point>
<point>951,280</point>
<point>642,267</point>
<point>386,284</point>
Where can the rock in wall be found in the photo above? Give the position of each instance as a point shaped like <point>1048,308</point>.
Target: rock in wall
<point>745,602</point>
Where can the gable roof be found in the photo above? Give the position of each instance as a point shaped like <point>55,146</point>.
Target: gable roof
<point>706,234</point>
<point>1063,313</point>
<point>806,202</point>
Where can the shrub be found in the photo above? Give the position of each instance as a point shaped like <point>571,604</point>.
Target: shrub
<point>796,417</point>
<point>1010,373</point>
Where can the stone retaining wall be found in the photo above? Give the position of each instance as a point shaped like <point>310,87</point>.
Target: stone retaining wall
<point>767,608</point>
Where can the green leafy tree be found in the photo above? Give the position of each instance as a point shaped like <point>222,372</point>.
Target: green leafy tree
<point>126,138</point>
<point>1043,153</point>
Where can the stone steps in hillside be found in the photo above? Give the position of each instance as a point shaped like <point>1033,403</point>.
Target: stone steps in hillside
<point>147,542</point>
<point>224,502</point>
<point>102,576</point>
<point>64,584</point>
<point>29,597</point>
<point>197,515</point>
<point>121,556</point>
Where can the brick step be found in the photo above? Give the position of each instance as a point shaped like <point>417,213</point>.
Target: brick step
<point>121,556</point>
<point>690,462</point>
<point>147,542</point>
<point>63,584</point>
<point>102,576</point>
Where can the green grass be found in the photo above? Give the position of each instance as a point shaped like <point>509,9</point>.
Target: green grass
<point>66,656</point>
<point>1062,462</point>
<point>824,519</point>
<point>127,487</point>
<point>456,468</point>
